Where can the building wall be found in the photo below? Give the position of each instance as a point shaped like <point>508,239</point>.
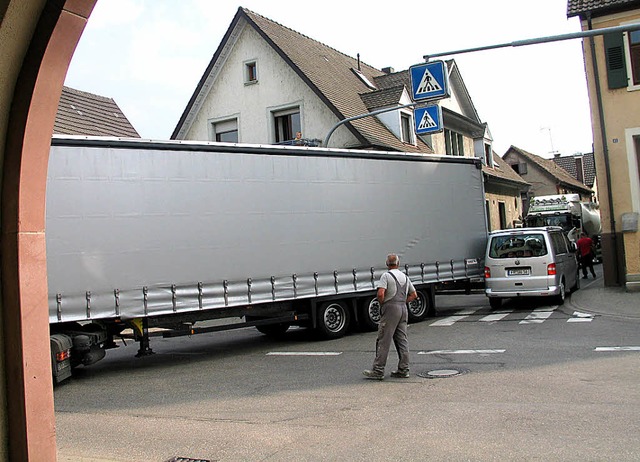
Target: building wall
<point>278,87</point>
<point>513,206</point>
<point>621,251</point>
<point>541,185</point>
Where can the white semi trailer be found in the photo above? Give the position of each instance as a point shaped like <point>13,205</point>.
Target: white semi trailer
<point>166,237</point>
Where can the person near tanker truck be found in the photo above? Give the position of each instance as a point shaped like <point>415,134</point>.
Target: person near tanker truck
<point>586,253</point>
<point>395,290</point>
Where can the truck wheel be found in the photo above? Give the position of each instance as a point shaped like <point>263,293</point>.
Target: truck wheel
<point>273,330</point>
<point>333,320</point>
<point>369,315</point>
<point>419,308</point>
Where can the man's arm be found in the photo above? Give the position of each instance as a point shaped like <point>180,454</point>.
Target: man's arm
<point>380,295</point>
<point>412,296</point>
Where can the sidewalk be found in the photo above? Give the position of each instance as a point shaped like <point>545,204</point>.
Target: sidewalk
<point>593,297</point>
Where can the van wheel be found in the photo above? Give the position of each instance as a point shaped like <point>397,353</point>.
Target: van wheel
<point>369,314</point>
<point>562,295</point>
<point>419,308</point>
<point>495,303</point>
<point>332,320</point>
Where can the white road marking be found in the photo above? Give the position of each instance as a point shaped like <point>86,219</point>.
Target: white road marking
<point>581,317</point>
<point>459,352</point>
<point>304,353</point>
<point>538,316</point>
<point>496,316</point>
<point>619,348</point>
<point>453,319</point>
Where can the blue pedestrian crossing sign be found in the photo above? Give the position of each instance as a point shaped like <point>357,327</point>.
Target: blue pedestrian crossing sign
<point>428,119</point>
<point>429,81</point>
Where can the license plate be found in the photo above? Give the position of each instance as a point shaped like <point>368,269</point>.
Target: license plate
<point>519,272</point>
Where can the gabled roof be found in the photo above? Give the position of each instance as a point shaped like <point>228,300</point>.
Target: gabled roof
<point>502,172</point>
<point>599,7</point>
<point>328,72</point>
<point>588,166</point>
<point>558,174</point>
<point>82,113</point>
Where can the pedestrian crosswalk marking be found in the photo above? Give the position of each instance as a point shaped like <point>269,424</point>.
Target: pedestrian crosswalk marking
<point>496,316</point>
<point>581,317</point>
<point>536,316</point>
<point>428,84</point>
<point>427,121</point>
<point>457,317</point>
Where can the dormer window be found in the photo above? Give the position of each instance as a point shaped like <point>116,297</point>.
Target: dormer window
<point>364,79</point>
<point>406,126</point>
<point>250,72</point>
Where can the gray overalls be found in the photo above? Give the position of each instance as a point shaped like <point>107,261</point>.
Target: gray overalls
<point>393,326</point>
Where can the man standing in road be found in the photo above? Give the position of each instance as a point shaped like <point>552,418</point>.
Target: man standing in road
<point>585,249</point>
<point>395,290</point>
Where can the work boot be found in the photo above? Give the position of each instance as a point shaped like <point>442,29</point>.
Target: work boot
<point>400,374</point>
<point>373,375</point>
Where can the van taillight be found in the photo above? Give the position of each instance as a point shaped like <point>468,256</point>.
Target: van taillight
<point>487,272</point>
<point>551,269</point>
<point>61,356</point>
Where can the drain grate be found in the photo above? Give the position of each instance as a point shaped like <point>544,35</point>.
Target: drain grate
<point>442,373</point>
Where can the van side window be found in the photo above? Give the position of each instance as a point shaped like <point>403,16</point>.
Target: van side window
<point>559,243</point>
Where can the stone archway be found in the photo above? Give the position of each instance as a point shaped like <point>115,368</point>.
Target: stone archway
<point>38,85</point>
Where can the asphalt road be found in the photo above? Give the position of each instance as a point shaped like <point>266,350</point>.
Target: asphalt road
<point>526,382</point>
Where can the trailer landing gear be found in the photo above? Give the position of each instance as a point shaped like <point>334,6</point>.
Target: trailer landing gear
<point>141,329</point>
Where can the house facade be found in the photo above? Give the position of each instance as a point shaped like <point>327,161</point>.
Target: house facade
<point>269,84</point>
<point>612,65</point>
<point>544,176</point>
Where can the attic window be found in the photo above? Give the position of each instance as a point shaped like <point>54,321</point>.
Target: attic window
<point>364,79</point>
<point>250,72</point>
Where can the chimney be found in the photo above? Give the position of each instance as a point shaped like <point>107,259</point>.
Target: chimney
<point>388,70</point>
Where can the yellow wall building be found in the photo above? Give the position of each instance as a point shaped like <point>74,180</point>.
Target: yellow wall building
<point>612,64</point>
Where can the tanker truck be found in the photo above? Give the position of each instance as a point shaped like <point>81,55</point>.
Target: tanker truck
<point>567,211</point>
<point>175,238</point>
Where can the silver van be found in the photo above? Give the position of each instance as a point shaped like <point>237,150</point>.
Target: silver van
<point>530,262</point>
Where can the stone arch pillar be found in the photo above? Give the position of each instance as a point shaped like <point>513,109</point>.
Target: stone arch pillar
<point>29,392</point>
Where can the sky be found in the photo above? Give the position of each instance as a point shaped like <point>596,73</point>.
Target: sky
<point>148,55</point>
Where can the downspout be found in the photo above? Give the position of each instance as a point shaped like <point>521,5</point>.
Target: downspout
<point>605,148</point>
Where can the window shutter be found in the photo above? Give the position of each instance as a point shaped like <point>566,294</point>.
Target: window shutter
<point>614,55</point>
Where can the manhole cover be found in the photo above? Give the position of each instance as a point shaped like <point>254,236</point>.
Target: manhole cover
<point>442,373</point>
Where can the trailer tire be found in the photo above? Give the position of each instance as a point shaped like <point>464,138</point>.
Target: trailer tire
<point>419,308</point>
<point>369,314</point>
<point>333,320</point>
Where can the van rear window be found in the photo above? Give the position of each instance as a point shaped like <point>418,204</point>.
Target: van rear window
<point>520,246</point>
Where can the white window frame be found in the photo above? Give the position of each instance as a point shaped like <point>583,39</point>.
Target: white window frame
<point>627,54</point>
<point>212,123</point>
<point>279,111</point>
<point>411,131</point>
<point>246,65</point>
